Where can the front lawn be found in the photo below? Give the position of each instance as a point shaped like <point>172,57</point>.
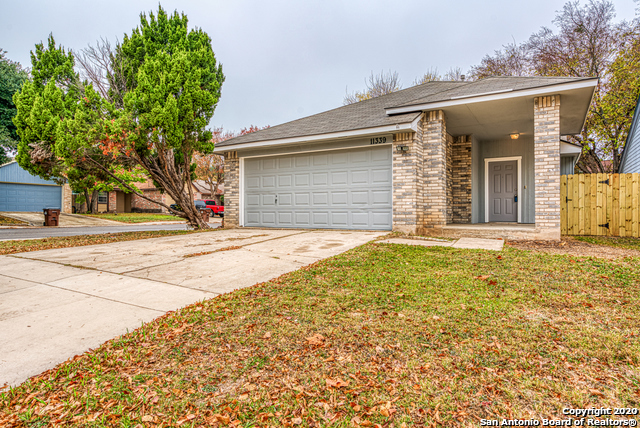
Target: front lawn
<point>26,245</point>
<point>136,217</point>
<point>611,241</point>
<point>390,335</point>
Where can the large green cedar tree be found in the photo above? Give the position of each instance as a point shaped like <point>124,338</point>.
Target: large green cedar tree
<point>172,84</point>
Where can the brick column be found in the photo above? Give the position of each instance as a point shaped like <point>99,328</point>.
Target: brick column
<point>407,182</point>
<point>461,179</point>
<point>231,189</point>
<point>67,196</point>
<point>435,170</point>
<point>546,118</point>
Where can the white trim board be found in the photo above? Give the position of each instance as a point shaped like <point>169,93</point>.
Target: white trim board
<point>241,192</point>
<point>486,184</point>
<point>400,127</point>
<point>472,99</point>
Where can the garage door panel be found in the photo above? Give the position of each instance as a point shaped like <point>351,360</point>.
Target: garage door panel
<point>345,189</point>
<point>285,199</point>
<point>302,219</point>
<point>339,220</point>
<point>339,198</point>
<point>268,182</point>
<point>360,219</point>
<point>320,219</point>
<point>360,197</point>
<point>381,197</point>
<point>302,180</point>
<point>320,179</point>
<point>285,218</point>
<point>302,199</point>
<point>285,181</point>
<point>339,178</point>
<point>359,177</point>
<point>380,218</point>
<point>380,176</point>
<point>320,198</point>
<point>29,197</point>
<point>284,163</point>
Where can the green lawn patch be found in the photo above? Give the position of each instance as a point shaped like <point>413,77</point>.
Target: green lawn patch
<point>22,246</point>
<point>383,334</point>
<point>136,217</point>
<point>611,241</point>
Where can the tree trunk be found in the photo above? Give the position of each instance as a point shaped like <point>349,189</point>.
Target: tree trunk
<point>94,202</point>
<point>87,201</point>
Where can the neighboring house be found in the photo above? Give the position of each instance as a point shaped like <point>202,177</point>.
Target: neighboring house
<point>569,155</point>
<point>202,190</point>
<point>22,192</point>
<point>630,161</point>
<point>117,201</point>
<point>430,159</point>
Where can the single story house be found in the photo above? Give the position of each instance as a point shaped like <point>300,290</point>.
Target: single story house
<point>20,191</point>
<point>202,190</point>
<point>481,158</point>
<point>630,161</point>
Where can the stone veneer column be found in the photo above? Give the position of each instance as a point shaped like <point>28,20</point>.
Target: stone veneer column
<point>435,170</point>
<point>231,189</point>
<point>546,118</point>
<point>461,179</point>
<point>407,182</point>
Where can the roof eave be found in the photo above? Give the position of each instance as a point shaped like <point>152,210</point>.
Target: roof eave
<point>494,96</point>
<point>399,127</point>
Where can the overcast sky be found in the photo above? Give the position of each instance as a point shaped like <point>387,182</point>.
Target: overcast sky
<point>286,59</point>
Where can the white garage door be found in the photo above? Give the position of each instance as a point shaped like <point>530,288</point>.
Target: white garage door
<point>342,189</point>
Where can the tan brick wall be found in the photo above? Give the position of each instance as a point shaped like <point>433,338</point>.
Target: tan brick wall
<point>407,182</point>
<point>435,169</point>
<point>546,117</point>
<point>67,199</point>
<point>232,189</point>
<point>449,182</point>
<point>141,205</point>
<point>461,180</point>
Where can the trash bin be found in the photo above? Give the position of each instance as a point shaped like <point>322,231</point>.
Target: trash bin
<point>51,216</point>
<point>205,215</point>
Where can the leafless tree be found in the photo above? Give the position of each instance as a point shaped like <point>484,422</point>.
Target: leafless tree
<point>101,66</point>
<point>377,84</point>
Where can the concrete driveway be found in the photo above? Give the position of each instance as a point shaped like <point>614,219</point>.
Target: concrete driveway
<point>56,304</point>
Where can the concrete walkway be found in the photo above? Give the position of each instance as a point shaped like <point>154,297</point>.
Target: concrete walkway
<point>468,243</point>
<point>55,304</point>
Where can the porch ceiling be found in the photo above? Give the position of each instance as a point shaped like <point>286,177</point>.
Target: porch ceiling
<point>496,119</point>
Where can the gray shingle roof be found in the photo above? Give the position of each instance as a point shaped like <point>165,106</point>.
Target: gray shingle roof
<point>371,113</point>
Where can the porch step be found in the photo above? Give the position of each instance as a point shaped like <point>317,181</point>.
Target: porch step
<point>505,231</point>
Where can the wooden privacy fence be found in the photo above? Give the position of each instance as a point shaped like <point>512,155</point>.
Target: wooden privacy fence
<point>600,204</point>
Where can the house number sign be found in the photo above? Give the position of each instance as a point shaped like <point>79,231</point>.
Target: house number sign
<point>378,140</point>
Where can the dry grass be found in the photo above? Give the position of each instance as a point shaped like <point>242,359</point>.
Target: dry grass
<point>136,217</point>
<point>8,221</point>
<point>22,246</point>
<point>383,335</point>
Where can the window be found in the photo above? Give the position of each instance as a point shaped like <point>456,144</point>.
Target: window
<point>103,198</point>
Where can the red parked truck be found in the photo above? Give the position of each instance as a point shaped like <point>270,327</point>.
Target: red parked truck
<point>215,208</point>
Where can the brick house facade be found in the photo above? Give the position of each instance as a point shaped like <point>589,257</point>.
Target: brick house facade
<point>478,158</point>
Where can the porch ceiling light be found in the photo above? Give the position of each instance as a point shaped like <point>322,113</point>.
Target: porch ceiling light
<point>402,148</point>
<point>515,136</point>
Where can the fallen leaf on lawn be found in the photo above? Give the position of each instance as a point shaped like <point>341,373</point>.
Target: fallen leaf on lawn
<point>337,383</point>
<point>296,421</point>
<point>243,397</point>
<point>147,418</point>
<point>316,340</point>
<point>267,335</point>
<point>221,418</point>
<point>483,277</point>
